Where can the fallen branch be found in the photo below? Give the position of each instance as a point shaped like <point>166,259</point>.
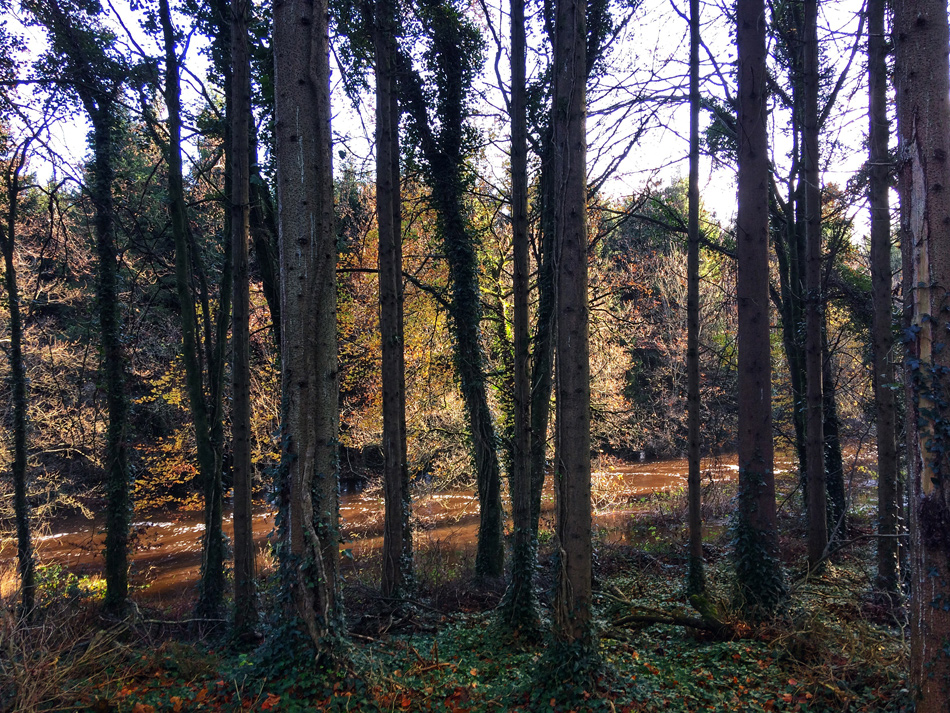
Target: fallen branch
<point>707,621</point>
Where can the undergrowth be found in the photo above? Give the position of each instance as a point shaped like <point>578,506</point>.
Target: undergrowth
<point>830,649</point>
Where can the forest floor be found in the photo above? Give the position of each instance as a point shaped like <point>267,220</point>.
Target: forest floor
<point>832,648</point>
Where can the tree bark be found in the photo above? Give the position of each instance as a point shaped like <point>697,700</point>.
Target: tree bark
<point>837,505</point>
<point>309,375</point>
<point>521,607</point>
<point>758,574</point>
<point>572,606</point>
<point>118,507</point>
<point>245,575</point>
<point>397,532</point>
<point>814,433</point>
<point>97,79</point>
<point>445,163</point>
<point>211,590</point>
<point>26,563</point>
<point>695,579</point>
<point>881,277</point>
<point>922,83</point>
<point>542,348</point>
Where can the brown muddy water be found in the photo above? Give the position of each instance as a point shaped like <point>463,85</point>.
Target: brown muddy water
<point>167,548</point>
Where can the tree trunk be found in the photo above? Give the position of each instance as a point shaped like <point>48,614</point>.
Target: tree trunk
<point>886,413</point>
<point>97,80</point>
<point>211,590</point>
<point>397,533</point>
<point>814,433</point>
<point>837,505</point>
<point>572,606</point>
<point>445,160</point>
<point>245,575</point>
<point>695,579</point>
<point>263,233</point>
<point>309,378</point>
<point>758,574</point>
<point>542,351</point>
<point>118,504</point>
<point>922,83</point>
<point>21,504</point>
<point>521,606</point>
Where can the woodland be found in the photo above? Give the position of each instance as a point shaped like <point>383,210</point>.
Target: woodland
<point>261,258</point>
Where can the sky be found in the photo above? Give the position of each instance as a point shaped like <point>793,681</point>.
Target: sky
<point>647,75</point>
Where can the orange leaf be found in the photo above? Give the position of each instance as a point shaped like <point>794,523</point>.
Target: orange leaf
<point>176,703</point>
<point>270,702</point>
<point>143,708</point>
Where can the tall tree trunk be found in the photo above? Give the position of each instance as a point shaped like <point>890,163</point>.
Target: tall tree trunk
<point>521,612</point>
<point>542,350</point>
<point>211,591</point>
<point>309,378</point>
<point>397,533</point>
<point>21,504</point>
<point>118,504</point>
<point>572,606</point>
<point>245,575</point>
<point>886,413</point>
<point>837,511</point>
<point>758,573</point>
<point>445,159</point>
<point>97,80</point>
<point>695,579</point>
<point>922,81</point>
<point>811,176</point>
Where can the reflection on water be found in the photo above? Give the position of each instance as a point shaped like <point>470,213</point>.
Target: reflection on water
<point>167,551</point>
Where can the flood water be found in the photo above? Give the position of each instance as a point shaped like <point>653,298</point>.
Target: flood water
<point>167,548</point>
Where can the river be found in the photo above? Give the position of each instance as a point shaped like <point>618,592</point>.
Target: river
<point>167,548</point>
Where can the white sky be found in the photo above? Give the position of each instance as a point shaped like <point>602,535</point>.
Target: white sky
<point>650,58</point>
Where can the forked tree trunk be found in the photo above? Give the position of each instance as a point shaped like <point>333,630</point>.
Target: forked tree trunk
<point>309,378</point>
<point>881,277</point>
<point>444,153</point>
<point>572,605</point>
<point>245,575</point>
<point>758,574</point>
<point>397,533</point>
<point>922,83</point>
